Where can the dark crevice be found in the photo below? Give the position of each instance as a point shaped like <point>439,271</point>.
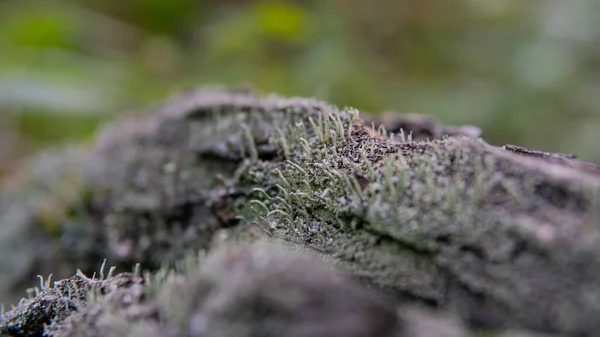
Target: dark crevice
<point>560,197</point>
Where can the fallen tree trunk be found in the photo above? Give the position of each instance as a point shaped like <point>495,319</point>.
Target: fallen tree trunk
<point>503,238</point>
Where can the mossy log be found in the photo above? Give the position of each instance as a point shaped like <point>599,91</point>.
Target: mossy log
<point>502,237</point>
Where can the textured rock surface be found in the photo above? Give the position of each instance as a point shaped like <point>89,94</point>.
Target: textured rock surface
<point>501,239</point>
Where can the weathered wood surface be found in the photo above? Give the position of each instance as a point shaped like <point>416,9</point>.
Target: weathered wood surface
<point>501,239</point>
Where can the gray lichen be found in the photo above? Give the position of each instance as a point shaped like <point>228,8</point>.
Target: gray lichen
<point>500,239</point>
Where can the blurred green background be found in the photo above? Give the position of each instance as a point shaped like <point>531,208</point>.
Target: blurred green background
<point>527,72</point>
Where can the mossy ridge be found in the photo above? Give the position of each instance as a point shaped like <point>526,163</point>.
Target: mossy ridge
<point>448,207</point>
<point>222,294</point>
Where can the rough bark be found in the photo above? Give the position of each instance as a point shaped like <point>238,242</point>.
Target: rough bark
<point>503,238</point>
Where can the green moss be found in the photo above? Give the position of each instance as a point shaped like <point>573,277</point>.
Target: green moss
<point>424,219</point>
<point>394,212</point>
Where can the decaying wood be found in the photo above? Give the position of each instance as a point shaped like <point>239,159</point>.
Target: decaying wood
<point>502,240</point>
